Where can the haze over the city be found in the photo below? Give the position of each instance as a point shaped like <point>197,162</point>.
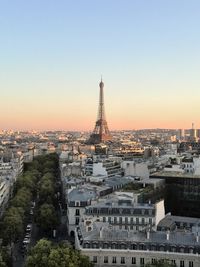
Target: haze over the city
<point>52,55</point>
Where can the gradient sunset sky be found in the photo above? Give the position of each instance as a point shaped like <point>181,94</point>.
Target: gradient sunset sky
<point>52,55</point>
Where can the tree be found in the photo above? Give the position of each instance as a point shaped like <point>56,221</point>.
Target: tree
<point>62,255</point>
<point>47,217</point>
<point>5,258</point>
<point>46,191</point>
<point>2,262</point>
<point>39,254</point>
<point>161,263</point>
<point>22,198</point>
<point>13,225</point>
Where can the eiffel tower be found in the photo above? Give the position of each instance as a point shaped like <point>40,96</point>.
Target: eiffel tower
<point>101,132</point>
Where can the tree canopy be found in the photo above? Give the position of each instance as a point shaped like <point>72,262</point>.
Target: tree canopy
<point>49,255</point>
<point>161,263</point>
<point>46,217</point>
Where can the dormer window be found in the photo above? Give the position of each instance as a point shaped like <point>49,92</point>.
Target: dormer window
<point>77,203</point>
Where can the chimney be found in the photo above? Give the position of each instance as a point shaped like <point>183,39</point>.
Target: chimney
<point>101,232</point>
<point>148,234</point>
<point>197,237</point>
<point>167,234</point>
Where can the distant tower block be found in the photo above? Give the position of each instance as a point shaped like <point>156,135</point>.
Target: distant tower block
<point>101,132</point>
<point>193,133</point>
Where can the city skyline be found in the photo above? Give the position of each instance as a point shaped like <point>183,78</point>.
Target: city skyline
<point>53,54</point>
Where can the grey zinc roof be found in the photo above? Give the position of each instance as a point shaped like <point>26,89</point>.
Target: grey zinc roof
<point>108,234</point>
<point>114,181</point>
<point>170,220</point>
<point>81,195</point>
<point>115,203</point>
<point>174,174</point>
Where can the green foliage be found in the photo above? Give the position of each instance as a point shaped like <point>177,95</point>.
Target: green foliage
<point>46,254</point>
<point>13,224</point>
<point>2,262</point>
<point>47,218</point>
<point>132,187</point>
<point>5,259</point>
<point>39,176</point>
<point>22,198</point>
<point>161,263</point>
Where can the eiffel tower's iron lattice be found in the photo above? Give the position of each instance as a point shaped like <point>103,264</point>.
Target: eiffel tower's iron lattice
<point>101,132</point>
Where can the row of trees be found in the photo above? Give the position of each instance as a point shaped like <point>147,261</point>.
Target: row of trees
<point>16,216</point>
<point>25,190</point>
<point>46,216</point>
<point>50,255</point>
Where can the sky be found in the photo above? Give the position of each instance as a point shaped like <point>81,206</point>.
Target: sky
<point>53,53</point>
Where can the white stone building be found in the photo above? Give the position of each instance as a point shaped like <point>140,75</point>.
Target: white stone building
<point>107,246</point>
<point>4,194</point>
<point>123,212</point>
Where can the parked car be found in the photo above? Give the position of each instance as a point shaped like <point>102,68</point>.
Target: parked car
<point>28,228</point>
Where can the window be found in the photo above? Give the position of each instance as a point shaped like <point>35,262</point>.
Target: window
<point>182,263</point>
<point>133,260</point>
<point>114,246</point>
<point>77,221</point>
<point>114,260</point>
<point>143,221</point>
<point>105,259</point>
<point>123,246</point>
<point>115,220</point>
<point>122,260</point>
<point>137,220</point>
<point>191,264</point>
<point>150,220</point>
<point>173,249</point>
<point>162,248</point>
<point>133,246</point>
<point>77,212</point>
<point>173,262</point>
<point>191,250</point>
<point>141,261</point>
<point>95,245</point>
<point>141,247</point>
<point>87,245</point>
<point>126,220</point>
<point>105,245</point>
<point>120,220</point>
<point>94,259</point>
<point>104,219</point>
<point>109,219</point>
<point>77,203</point>
<point>153,261</point>
<point>143,211</point>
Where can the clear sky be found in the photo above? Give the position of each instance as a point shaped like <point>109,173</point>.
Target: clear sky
<point>52,55</point>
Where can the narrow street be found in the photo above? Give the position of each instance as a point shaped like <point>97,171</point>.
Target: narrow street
<point>18,254</point>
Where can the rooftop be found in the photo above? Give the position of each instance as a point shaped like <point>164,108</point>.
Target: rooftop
<point>174,174</point>
<point>103,232</point>
<point>81,195</point>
